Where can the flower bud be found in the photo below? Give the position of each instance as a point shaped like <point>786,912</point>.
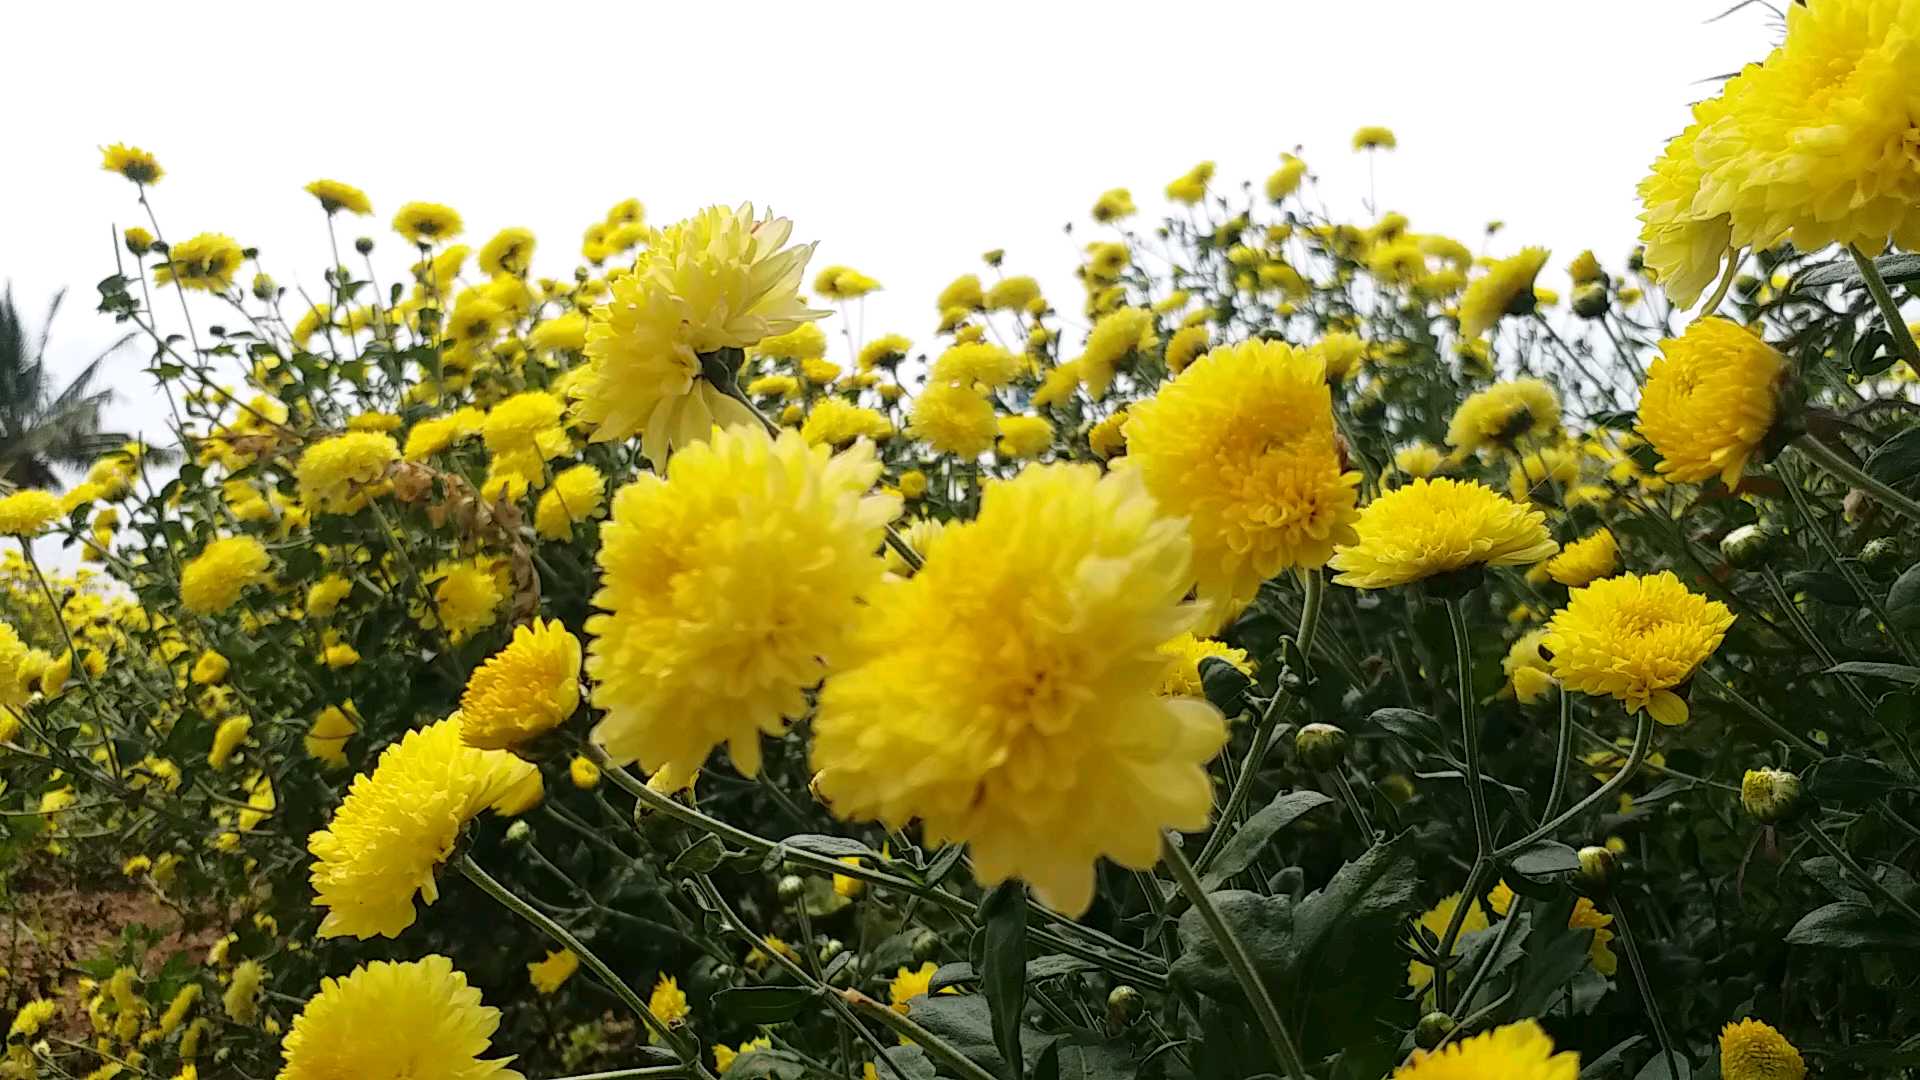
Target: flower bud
<point>925,944</point>
<point>1432,1028</point>
<point>1321,747</point>
<point>1123,1004</point>
<point>1880,554</point>
<point>519,833</point>
<point>791,888</point>
<point>1747,546</point>
<point>1770,795</point>
<point>831,948</point>
<point>1590,301</point>
<point>364,245</point>
<point>1596,871</point>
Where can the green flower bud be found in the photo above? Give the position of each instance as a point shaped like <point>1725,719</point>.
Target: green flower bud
<point>519,833</point>
<point>1321,747</point>
<point>1771,796</point>
<point>1596,871</point>
<point>791,888</point>
<point>1880,554</point>
<point>364,245</point>
<point>831,948</point>
<point>1432,1028</point>
<point>926,943</point>
<point>1590,301</point>
<point>1747,546</point>
<point>1123,1004</point>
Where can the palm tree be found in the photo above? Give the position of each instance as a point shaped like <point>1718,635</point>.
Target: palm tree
<point>40,429</point>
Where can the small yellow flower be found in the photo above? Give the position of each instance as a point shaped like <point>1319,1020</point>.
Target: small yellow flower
<point>326,738</point>
<point>668,1003</point>
<point>427,223</point>
<point>909,984</point>
<point>1505,289</point>
<point>212,581</point>
<point>577,494</point>
<point>1436,921</point>
<point>547,975</point>
<point>210,668</point>
<point>227,739</point>
<point>131,162</point>
<point>1439,526</point>
<point>1113,205</point>
<point>335,196</point>
<point>584,773</point>
<point>206,262</point>
<point>1521,1051</point>
<point>1419,460</point>
<point>1374,137</point>
<point>28,512</point>
<point>1503,414</point>
<point>1636,638</point>
<point>1585,560</point>
<point>953,419</point>
<point>1024,437</point>
<point>429,1022</point>
<point>1529,674</point>
<point>1753,1050</point>
<point>1188,650</point>
<point>1709,401</point>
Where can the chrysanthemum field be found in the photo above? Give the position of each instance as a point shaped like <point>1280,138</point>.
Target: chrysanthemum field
<point>1313,650</point>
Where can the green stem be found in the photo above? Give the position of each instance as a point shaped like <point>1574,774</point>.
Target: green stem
<point>937,1048</point>
<point>1889,307</point>
<point>1726,283</point>
<point>1645,984</point>
<point>1874,885</point>
<point>1846,471</point>
<point>649,1072</point>
<point>1642,740</point>
<point>1562,753</point>
<point>1469,730</point>
<point>1236,956</point>
<point>666,1035</point>
<point>1765,718</point>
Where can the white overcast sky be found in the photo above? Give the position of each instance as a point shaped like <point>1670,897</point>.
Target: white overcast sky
<point>905,137</point>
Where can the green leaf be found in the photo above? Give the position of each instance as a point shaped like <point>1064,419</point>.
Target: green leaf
<point>766,1065</point>
<point>1900,673</point>
<point>1898,459</point>
<point>702,857</point>
<point>836,847</point>
<point>1850,780</point>
<point>1656,1067</point>
<point>1409,726</point>
<point>1003,917</point>
<point>1851,925</point>
<point>1555,953</point>
<point>911,1062</point>
<point>1824,587</point>
<point>1896,269</point>
<point>1612,1061</point>
<point>763,1004</point>
<point>1546,857</point>
<point>1903,600</point>
<point>1245,846</point>
<point>965,1022</point>
<point>1223,684</point>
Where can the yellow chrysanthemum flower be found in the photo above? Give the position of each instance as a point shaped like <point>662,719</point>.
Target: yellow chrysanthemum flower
<point>1439,526</point>
<point>242,996</point>
<point>884,352</point>
<point>1019,293</point>
<point>1186,344</point>
<point>1183,678</point>
<point>14,659</point>
<point>1529,675</point>
<point>804,342</point>
<point>1519,1051</point>
<point>1587,559</point>
<point>721,279</point>
<point>1112,205</point>
<point>1013,703</point>
<point>1753,1050</point>
<point>1503,414</point>
<point>1684,248</point>
<point>1340,351</point>
<point>1505,289</point>
<point>1419,460</point>
<point>213,580</point>
<point>1709,401</point>
<point>1436,921</point>
<point>335,196</point>
<point>1242,445</point>
<point>843,283</point>
<point>722,655</point>
<point>1023,438</point>
<point>837,422</point>
<point>577,494</point>
<point>206,262</point>
<point>509,252</point>
<point>1584,916</point>
<point>1636,638</point>
<point>954,419</point>
<point>1374,137</point>
<point>549,974</point>
<point>335,474</point>
<point>524,690</point>
<point>1114,336</point>
<point>1191,186</point>
<point>325,596</point>
<point>723,1056</point>
<point>466,597</point>
<point>430,1023</point>
<point>976,364</point>
<point>427,223</point>
<point>667,1002</point>
<point>910,983</point>
<point>398,823</point>
<point>28,512</point>
<point>131,162</point>
<point>1817,143</point>
<point>326,738</point>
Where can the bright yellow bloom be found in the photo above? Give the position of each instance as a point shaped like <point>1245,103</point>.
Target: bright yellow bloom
<point>1113,338</point>
<point>466,597</point>
<point>212,581</point>
<point>577,494</point>
<point>1024,437</point>
<point>718,654</point>
<point>396,826</point>
<point>335,474</point>
<point>1013,294</point>
<point>884,352</point>
<point>1503,414</point>
<point>1684,248</point>
<point>584,773</point>
<point>1112,205</point>
<point>723,1056</point>
<point>1709,401</point>
<point>434,434</point>
<point>1012,703</point>
<point>325,595</point>
<point>1505,289</point>
<point>206,262</point>
<point>524,690</point>
<point>28,512</point>
<point>668,1003</point>
<point>953,419</point>
<point>1753,1050</point>
<point>210,668</point>
<point>335,196</point>
<point>843,283</point>
<point>1436,921</point>
<point>1585,560</point>
<point>804,342</point>
<point>908,984</point>
<point>326,738</point>
<point>1439,526</point>
<point>1242,444</point>
<point>1529,674</point>
<point>975,364</point>
<point>1585,916</point>
<point>1191,186</point>
<point>427,223</point>
<point>1285,180</point>
<point>1108,438</point>
<point>31,1018</point>
<point>837,422</point>
<point>1341,352</point>
<point>547,975</point>
<point>1519,1051</point>
<point>1188,650</point>
<point>395,1021</point>
<point>1418,460</point>
<point>509,252</point>
<point>1636,638</point>
<point>242,996</point>
<point>1374,137</point>
<point>1184,346</point>
<point>524,430</point>
<point>131,162</point>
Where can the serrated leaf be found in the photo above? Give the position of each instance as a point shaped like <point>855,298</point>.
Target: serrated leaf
<point>837,847</point>
<point>1408,725</point>
<point>702,857</point>
<point>1546,857</point>
<point>1850,780</point>
<point>1867,669</point>
<point>763,1004</point>
<point>1896,269</point>
<point>1847,924</point>
<point>1003,976</point>
<point>1245,846</point>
